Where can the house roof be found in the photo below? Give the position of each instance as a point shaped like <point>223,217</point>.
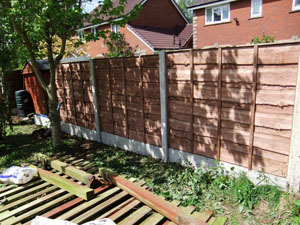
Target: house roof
<point>128,8</point>
<point>162,38</point>
<point>202,3</point>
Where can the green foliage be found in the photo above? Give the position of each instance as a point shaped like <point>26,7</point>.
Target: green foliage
<point>5,120</point>
<point>118,46</point>
<point>264,39</point>
<point>183,5</point>
<point>296,212</point>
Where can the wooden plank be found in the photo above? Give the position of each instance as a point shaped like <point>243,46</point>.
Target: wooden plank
<point>28,198</point>
<point>219,102</point>
<point>240,55</point>
<point>71,204</point>
<point>124,210</point>
<point>204,216</point>
<point>110,95</point>
<point>73,172</point>
<point>116,208</point>
<point>89,204</point>
<point>136,216</point>
<point>25,192</point>
<point>102,206</point>
<point>220,220</point>
<point>252,110</point>
<point>191,100</point>
<point>70,186</point>
<point>141,84</point>
<point>36,211</point>
<point>7,214</point>
<point>125,97</point>
<point>20,188</point>
<point>279,54</point>
<point>156,203</point>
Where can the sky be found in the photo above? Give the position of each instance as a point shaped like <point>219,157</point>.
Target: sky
<point>91,5</point>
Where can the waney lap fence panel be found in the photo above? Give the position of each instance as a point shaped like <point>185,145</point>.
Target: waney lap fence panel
<point>234,104</point>
<point>128,96</point>
<point>74,91</point>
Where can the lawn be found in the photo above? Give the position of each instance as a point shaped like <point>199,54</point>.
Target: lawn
<point>212,189</point>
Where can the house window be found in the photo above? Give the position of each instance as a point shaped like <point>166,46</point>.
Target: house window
<point>94,31</point>
<point>217,14</point>
<point>296,4</point>
<point>80,35</point>
<point>256,8</point>
<point>115,28</point>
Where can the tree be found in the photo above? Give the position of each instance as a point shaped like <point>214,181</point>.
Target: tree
<point>38,23</point>
<point>118,47</point>
<point>184,4</point>
<point>10,57</point>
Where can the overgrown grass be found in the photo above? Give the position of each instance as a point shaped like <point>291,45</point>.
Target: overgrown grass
<point>212,189</point>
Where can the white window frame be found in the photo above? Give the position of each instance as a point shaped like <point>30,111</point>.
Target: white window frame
<point>94,31</point>
<point>294,6</point>
<point>222,20</point>
<point>115,28</point>
<point>260,9</point>
<point>80,34</point>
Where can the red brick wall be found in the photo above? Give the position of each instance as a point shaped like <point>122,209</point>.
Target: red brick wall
<point>277,20</point>
<point>95,48</point>
<point>159,13</point>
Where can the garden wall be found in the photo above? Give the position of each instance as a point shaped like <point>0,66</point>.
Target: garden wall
<point>234,104</point>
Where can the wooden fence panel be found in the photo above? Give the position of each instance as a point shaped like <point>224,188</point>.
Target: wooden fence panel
<point>234,104</point>
<point>250,94</point>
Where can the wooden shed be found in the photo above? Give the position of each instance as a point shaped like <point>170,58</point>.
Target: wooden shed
<point>32,85</point>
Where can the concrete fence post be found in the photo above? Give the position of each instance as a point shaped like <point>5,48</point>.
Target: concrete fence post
<point>293,176</point>
<point>164,104</point>
<point>95,100</point>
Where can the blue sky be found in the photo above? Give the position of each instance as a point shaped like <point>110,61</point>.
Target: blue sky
<point>91,5</point>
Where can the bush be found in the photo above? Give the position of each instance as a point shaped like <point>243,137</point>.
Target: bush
<point>264,39</point>
<point>118,47</point>
<point>5,120</point>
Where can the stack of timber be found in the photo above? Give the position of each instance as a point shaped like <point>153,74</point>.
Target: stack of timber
<point>124,201</point>
<point>129,97</point>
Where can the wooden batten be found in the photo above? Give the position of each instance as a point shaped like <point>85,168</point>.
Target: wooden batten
<point>125,98</point>
<point>191,101</point>
<point>110,96</point>
<point>141,85</point>
<point>252,109</point>
<point>153,201</point>
<point>67,185</point>
<point>219,58</point>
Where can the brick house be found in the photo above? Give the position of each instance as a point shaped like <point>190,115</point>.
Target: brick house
<point>160,25</point>
<point>238,21</point>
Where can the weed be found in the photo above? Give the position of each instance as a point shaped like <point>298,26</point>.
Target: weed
<point>296,212</point>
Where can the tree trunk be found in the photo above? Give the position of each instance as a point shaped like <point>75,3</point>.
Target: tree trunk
<point>53,112</point>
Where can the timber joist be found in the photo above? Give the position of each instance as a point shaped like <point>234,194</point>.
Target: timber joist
<point>125,201</point>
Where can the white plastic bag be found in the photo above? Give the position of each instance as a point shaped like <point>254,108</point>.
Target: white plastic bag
<point>17,175</point>
<point>104,221</point>
<point>39,220</point>
<point>45,221</point>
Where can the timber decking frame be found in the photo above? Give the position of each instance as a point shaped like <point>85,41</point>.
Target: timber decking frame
<point>41,198</point>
